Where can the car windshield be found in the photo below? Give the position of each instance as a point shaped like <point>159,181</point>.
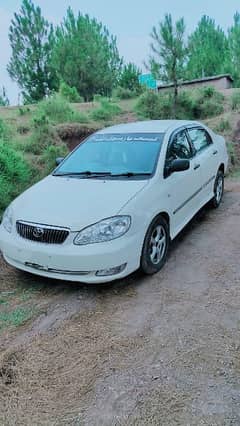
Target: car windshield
<point>114,156</point>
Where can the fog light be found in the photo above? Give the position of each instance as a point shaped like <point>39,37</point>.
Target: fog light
<point>111,271</point>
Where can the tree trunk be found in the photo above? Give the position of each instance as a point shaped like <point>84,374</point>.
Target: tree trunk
<point>175,99</point>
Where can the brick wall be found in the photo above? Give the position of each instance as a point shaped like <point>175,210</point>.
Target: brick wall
<point>221,83</point>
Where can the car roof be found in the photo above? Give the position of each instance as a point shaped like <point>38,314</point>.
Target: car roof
<point>150,126</point>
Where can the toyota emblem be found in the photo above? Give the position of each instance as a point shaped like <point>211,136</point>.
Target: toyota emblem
<point>38,232</point>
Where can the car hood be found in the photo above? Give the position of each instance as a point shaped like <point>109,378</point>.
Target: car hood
<point>74,203</point>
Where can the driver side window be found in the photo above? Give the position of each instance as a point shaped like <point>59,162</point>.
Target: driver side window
<point>179,147</point>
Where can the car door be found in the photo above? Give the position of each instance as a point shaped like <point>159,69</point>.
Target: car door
<point>182,187</point>
<point>206,155</point>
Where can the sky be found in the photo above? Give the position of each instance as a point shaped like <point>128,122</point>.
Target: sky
<point>130,20</point>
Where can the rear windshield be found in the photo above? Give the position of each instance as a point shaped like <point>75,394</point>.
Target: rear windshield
<point>114,155</point>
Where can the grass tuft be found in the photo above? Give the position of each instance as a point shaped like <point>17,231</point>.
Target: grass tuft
<point>106,111</point>
<point>16,317</point>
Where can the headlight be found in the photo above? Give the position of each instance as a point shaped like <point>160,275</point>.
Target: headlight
<point>106,230</point>
<point>7,220</point>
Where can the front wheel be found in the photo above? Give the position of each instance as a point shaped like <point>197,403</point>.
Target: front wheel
<point>155,246</point>
<point>218,189</point>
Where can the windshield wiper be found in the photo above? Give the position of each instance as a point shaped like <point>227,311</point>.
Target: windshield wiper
<point>130,174</point>
<point>93,174</point>
<point>85,173</point>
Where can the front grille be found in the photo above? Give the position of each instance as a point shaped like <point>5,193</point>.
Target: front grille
<point>42,233</point>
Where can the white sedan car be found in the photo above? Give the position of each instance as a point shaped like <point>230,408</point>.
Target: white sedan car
<point>115,203</point>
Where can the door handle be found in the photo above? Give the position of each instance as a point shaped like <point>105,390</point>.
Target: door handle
<point>215,152</point>
<point>196,166</point>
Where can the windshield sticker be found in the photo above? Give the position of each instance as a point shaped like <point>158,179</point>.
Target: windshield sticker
<point>128,138</point>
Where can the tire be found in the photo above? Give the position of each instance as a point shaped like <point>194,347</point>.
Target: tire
<point>218,190</point>
<point>154,253</point>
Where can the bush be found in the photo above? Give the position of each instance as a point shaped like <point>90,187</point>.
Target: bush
<point>43,134</point>
<point>42,137</point>
<point>235,101</point>
<point>57,110</point>
<point>208,108</point>
<point>196,104</point>
<point>155,106</point>
<point>49,155</point>
<point>123,93</point>
<point>50,111</point>
<point>14,174</point>
<point>54,109</point>
<point>23,110</point>
<point>22,129</point>
<point>207,92</point>
<point>200,103</point>
<point>210,92</point>
<point>148,105</point>
<point>69,93</point>
<point>106,111</point>
<point>40,120</point>
<point>97,98</point>
<point>4,131</point>
<point>223,126</point>
<point>185,106</point>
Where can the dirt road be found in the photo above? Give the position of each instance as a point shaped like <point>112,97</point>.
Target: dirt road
<point>161,350</point>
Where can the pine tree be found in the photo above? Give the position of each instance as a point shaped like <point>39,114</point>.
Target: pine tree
<point>31,38</point>
<point>129,78</point>
<point>208,50</point>
<point>86,56</point>
<point>168,53</point>
<point>4,101</point>
<point>234,48</point>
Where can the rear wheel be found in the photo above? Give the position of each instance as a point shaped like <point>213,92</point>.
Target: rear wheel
<point>155,246</point>
<point>218,189</point>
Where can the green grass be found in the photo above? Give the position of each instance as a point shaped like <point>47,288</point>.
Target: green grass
<point>14,174</point>
<point>106,111</point>
<point>5,131</point>
<point>223,125</point>
<point>22,110</point>
<point>49,155</point>
<point>195,104</point>
<point>3,301</point>
<point>122,93</point>
<point>235,101</point>
<point>15,317</point>
<point>24,294</point>
<point>57,110</point>
<point>235,174</point>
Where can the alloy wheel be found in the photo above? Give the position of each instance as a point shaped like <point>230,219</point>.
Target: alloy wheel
<point>157,244</point>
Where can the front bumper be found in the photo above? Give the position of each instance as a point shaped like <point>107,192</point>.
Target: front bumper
<point>70,262</point>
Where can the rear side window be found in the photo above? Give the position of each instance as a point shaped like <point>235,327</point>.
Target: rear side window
<point>200,139</point>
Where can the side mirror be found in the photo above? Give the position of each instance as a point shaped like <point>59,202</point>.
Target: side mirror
<point>59,160</point>
<point>178,165</point>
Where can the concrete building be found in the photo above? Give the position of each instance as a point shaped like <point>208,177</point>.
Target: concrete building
<point>224,81</point>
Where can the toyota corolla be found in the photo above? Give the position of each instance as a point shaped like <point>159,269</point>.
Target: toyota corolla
<point>116,202</point>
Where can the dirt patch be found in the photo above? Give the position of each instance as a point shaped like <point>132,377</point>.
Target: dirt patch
<point>236,140</point>
<point>73,134</point>
<point>160,350</point>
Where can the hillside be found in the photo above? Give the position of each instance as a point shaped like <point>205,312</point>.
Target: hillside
<point>37,134</point>
<point>20,119</point>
